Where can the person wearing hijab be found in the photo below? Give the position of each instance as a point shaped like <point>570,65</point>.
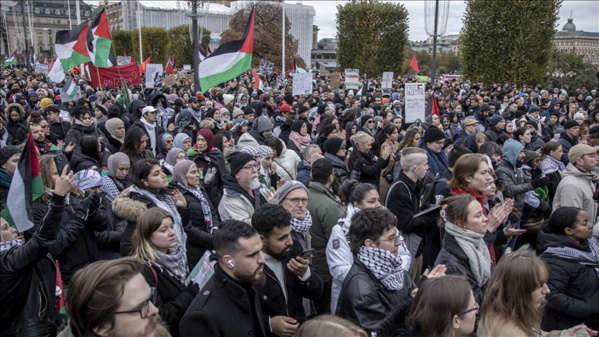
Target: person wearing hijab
<point>116,134</point>
<point>182,141</point>
<point>174,156</point>
<point>210,162</point>
<point>115,180</point>
<point>165,144</point>
<point>299,138</point>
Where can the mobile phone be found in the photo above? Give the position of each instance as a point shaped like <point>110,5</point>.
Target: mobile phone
<point>306,253</point>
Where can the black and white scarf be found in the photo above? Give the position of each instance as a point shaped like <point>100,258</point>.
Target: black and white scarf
<point>475,248</point>
<point>385,266</point>
<point>6,245</point>
<point>590,259</point>
<point>197,192</point>
<point>174,262</point>
<point>302,225</point>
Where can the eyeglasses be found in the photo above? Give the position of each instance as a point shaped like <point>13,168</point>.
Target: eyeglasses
<point>370,121</point>
<point>394,238</point>
<point>250,167</point>
<point>297,201</point>
<point>181,157</point>
<point>475,308</point>
<point>145,306</point>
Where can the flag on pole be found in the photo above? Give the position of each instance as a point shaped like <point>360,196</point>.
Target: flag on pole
<point>229,60</point>
<point>70,87</point>
<point>414,64</point>
<point>363,91</point>
<point>55,72</point>
<point>71,47</point>
<point>26,187</point>
<point>170,65</point>
<point>257,81</point>
<point>142,67</point>
<point>434,106</point>
<point>99,40</point>
<point>32,57</point>
<point>11,60</point>
<point>293,67</point>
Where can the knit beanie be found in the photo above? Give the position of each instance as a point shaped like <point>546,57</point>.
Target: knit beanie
<point>6,152</point>
<point>529,156</point>
<point>238,124</point>
<point>297,126</point>
<point>327,130</point>
<point>227,99</point>
<point>578,115</point>
<point>262,124</point>
<point>303,109</point>
<point>238,160</point>
<point>288,187</point>
<point>248,111</point>
<point>333,145</point>
<point>485,107</point>
<point>433,134</point>
<point>102,109</point>
<point>533,107</point>
<point>570,124</point>
<point>495,120</point>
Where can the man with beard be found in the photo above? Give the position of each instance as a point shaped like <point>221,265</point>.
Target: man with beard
<point>288,280</point>
<point>228,305</point>
<point>242,193</point>
<point>112,298</point>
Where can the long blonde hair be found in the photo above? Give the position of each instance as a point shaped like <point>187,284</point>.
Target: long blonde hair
<point>146,225</point>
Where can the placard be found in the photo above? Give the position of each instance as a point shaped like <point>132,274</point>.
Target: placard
<point>169,80</point>
<point>153,74</point>
<point>265,67</point>
<point>123,60</point>
<point>64,97</point>
<point>415,103</point>
<point>187,67</point>
<point>335,80</point>
<point>352,79</point>
<point>41,68</point>
<point>302,83</point>
<point>387,80</point>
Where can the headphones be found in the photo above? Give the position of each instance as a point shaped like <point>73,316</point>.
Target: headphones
<point>230,264</point>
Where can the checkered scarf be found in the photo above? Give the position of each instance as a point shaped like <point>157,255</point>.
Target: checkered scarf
<point>6,245</point>
<point>590,259</point>
<point>385,266</point>
<point>302,225</point>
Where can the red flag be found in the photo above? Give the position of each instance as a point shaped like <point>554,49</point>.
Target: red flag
<point>60,300</point>
<point>142,67</point>
<point>170,65</point>
<point>414,64</point>
<point>434,106</point>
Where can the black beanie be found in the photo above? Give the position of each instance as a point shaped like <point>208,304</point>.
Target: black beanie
<point>485,107</point>
<point>433,134</point>
<point>303,109</point>
<point>8,151</point>
<point>248,111</point>
<point>321,108</point>
<point>327,130</point>
<point>297,126</point>
<point>333,145</point>
<point>238,160</point>
<point>533,124</point>
<point>570,124</point>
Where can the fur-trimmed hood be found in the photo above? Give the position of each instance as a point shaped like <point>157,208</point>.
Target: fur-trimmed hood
<point>127,208</point>
<point>18,107</point>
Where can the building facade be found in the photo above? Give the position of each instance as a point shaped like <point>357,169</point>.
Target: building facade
<point>579,42</point>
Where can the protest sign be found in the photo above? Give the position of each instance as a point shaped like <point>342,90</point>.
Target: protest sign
<point>415,103</point>
<point>153,74</point>
<point>335,79</point>
<point>352,79</point>
<point>187,67</point>
<point>123,60</point>
<point>387,80</point>
<point>169,80</point>
<point>302,83</point>
<point>265,67</point>
<point>41,68</point>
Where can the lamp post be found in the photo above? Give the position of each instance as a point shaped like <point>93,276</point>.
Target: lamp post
<point>196,46</point>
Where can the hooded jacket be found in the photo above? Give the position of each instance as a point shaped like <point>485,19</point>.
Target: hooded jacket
<point>287,163</point>
<point>511,176</point>
<point>77,132</point>
<point>576,189</point>
<point>236,203</point>
<point>567,143</point>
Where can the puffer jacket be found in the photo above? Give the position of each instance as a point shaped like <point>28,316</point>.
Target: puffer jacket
<point>511,176</point>
<point>456,261</point>
<point>339,168</point>
<point>303,171</point>
<point>574,297</point>
<point>77,132</point>
<point>576,189</point>
<point>366,301</point>
<point>58,131</point>
<point>75,244</point>
<point>199,238</point>
<point>287,163</point>
<point>28,282</point>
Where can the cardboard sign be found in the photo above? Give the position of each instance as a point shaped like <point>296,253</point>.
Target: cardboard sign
<point>415,102</point>
<point>169,80</point>
<point>335,80</point>
<point>352,79</point>
<point>153,74</point>
<point>302,83</point>
<point>387,80</point>
<point>123,60</point>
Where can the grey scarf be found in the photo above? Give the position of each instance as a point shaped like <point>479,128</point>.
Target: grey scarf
<point>474,246</point>
<point>385,266</point>
<point>174,261</point>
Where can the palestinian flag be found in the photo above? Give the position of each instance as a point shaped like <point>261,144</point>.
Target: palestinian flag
<point>25,188</point>
<point>293,67</point>
<point>257,81</point>
<point>170,65</point>
<point>99,40</point>
<point>363,91</point>
<point>11,60</point>
<point>229,60</point>
<point>71,47</point>
<point>55,72</point>
<point>70,87</point>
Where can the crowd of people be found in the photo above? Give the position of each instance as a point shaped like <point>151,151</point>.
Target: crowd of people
<point>313,215</point>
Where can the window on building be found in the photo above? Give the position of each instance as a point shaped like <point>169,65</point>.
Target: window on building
<point>57,12</point>
<point>36,11</point>
<point>86,14</point>
<point>47,11</point>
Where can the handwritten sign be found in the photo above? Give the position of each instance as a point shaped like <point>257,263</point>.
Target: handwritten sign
<point>415,102</point>
<point>153,74</point>
<point>352,78</point>
<point>302,83</point>
<point>335,79</point>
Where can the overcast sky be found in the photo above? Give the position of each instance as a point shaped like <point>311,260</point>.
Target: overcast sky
<point>585,14</point>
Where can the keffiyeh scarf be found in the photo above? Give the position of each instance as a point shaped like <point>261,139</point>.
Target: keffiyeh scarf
<point>197,192</point>
<point>584,258</point>
<point>385,266</point>
<point>174,261</point>
<point>6,245</point>
<point>302,225</point>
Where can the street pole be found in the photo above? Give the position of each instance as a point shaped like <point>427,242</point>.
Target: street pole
<point>283,44</point>
<point>435,43</point>
<point>141,56</point>
<point>196,46</point>
<point>25,37</point>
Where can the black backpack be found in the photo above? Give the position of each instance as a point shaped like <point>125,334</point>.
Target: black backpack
<point>428,196</point>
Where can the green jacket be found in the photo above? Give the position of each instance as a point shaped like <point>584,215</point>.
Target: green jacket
<point>325,211</point>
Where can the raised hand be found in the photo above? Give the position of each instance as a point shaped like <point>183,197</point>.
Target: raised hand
<point>64,182</point>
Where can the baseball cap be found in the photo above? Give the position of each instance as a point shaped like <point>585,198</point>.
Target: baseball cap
<point>580,150</point>
<point>148,109</point>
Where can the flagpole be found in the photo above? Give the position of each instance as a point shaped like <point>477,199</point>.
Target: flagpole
<point>139,31</point>
<point>283,44</point>
<point>78,23</point>
<point>69,9</point>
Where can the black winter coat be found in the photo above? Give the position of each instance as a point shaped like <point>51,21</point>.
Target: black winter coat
<point>114,145</point>
<point>456,261</point>
<point>224,308</point>
<point>75,244</point>
<point>369,168</point>
<point>58,131</point>
<point>199,238</point>
<point>78,131</point>
<point>172,297</point>
<point>28,282</point>
<point>339,168</point>
<point>80,161</point>
<point>365,300</point>
<point>574,297</point>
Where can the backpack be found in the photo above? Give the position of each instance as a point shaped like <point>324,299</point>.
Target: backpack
<point>428,196</point>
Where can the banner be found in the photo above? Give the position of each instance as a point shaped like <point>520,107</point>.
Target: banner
<point>41,68</point>
<point>123,60</point>
<point>352,79</point>
<point>111,77</point>
<point>187,67</point>
<point>415,103</point>
<point>153,74</point>
<point>387,80</point>
<point>302,83</point>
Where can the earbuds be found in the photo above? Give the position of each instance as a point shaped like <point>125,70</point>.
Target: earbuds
<point>230,264</point>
